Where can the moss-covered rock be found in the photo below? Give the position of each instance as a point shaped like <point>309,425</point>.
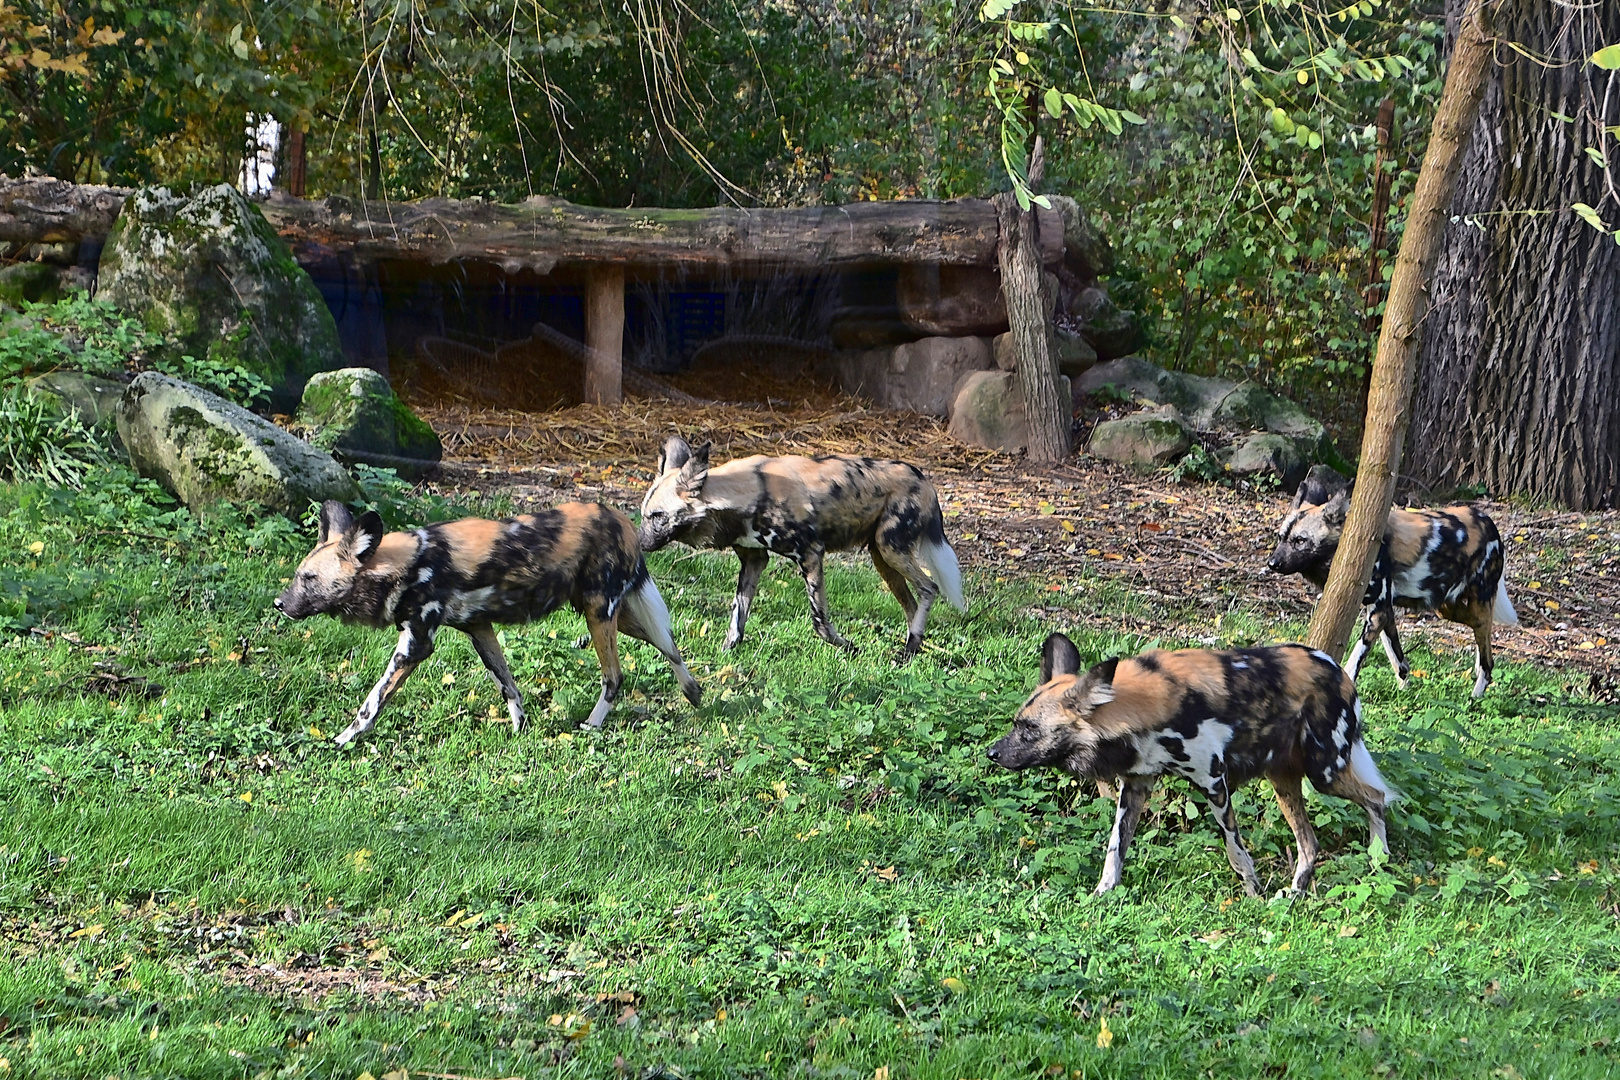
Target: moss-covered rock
<point>207,450</point>
<point>95,399</point>
<point>354,411</point>
<point>211,275</point>
<point>33,282</point>
<point>1152,437</point>
<point>1266,453</point>
<point>989,410</point>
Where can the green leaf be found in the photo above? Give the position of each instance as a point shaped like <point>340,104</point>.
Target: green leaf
<point>995,9</point>
<point>1607,58</point>
<point>1132,118</point>
<point>1590,216</point>
<point>1597,156</point>
<point>1054,104</point>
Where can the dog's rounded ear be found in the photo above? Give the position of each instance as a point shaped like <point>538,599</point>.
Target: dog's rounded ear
<point>335,520</point>
<point>674,454</point>
<point>694,472</point>
<point>1337,508</point>
<point>1095,687</point>
<point>365,536</point>
<point>1058,657</point>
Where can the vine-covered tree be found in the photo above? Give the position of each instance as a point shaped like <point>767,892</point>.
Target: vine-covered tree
<point>1519,380</point>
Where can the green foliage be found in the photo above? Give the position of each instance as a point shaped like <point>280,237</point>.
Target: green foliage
<point>75,333</point>
<point>1197,464</point>
<point>38,442</point>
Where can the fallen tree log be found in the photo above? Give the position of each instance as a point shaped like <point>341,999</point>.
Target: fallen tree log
<point>543,233</point>
<point>44,210</point>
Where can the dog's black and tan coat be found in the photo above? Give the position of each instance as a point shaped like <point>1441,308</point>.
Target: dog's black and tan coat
<point>1217,719</point>
<point>1448,561</point>
<point>802,508</point>
<point>474,574</point>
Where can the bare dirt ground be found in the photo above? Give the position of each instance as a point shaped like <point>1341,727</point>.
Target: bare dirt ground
<point>1193,550</point>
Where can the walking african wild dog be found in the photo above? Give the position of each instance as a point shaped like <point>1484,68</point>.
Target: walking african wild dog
<point>801,508</point>
<point>473,574</point>
<point>1448,561</point>
<point>1219,719</point>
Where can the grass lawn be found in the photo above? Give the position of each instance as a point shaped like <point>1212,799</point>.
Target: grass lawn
<point>815,874</point>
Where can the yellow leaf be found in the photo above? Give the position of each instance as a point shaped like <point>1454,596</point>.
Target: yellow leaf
<point>1552,605</point>
<point>36,547</point>
<point>88,931</point>
<point>880,1073</point>
<point>1475,852</point>
<point>246,796</point>
<point>365,1076</point>
<point>377,956</point>
<point>580,1032</point>
<point>360,858</point>
<point>1284,947</point>
<point>1586,645</point>
<point>1105,1037</point>
<point>1535,584</point>
<point>1068,526</point>
<point>954,985</point>
<point>471,921</point>
<point>449,677</point>
<point>315,731</point>
<point>456,918</point>
<point>1347,931</point>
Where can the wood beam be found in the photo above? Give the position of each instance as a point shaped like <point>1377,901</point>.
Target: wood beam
<point>604,335</point>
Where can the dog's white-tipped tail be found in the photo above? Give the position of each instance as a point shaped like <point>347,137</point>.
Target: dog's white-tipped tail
<point>1503,611</point>
<point>940,561</point>
<point>1365,770</point>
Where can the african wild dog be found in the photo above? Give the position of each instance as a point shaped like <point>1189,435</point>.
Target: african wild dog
<point>801,508</point>
<point>1219,719</point>
<point>1448,561</point>
<point>473,574</point>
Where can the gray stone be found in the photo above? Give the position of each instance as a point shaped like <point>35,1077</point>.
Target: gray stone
<point>951,301</point>
<point>921,376</point>
<point>989,411</point>
<point>95,398</point>
<point>206,450</point>
<point>1152,437</point>
<point>1085,249</point>
<point>211,275</point>
<point>1073,354</point>
<point>1209,404</point>
<point>1265,452</point>
<point>30,282</point>
<point>355,413</point>
<point>1110,329</point>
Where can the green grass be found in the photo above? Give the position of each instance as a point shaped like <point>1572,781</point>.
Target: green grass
<point>815,874</point>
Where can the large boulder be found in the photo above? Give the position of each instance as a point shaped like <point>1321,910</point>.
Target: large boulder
<point>951,301</point>
<point>354,413</point>
<point>1085,249</point>
<point>210,274</point>
<point>921,375</point>
<point>1263,453</point>
<point>1152,437</point>
<point>1209,404</point>
<point>1109,328</point>
<point>206,450</point>
<point>989,411</point>
<point>30,282</point>
<point>1074,355</point>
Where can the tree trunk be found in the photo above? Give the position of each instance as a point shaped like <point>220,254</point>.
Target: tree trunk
<point>1520,387</point>
<point>297,166</point>
<point>1395,361</point>
<point>1022,282</point>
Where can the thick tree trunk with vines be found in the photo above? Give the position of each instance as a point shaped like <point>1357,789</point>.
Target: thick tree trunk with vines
<point>1022,283</point>
<point>1398,340</point>
<point>1520,371</point>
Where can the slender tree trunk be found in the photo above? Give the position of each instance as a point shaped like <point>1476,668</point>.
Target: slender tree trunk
<point>296,163</point>
<point>1395,362</point>
<point>1022,282</point>
<point>1520,388</point>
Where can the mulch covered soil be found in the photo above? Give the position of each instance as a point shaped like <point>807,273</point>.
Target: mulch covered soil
<point>1193,551</point>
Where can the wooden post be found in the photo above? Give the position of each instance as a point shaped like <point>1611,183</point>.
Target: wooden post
<point>295,161</point>
<point>604,334</point>
<point>1394,366</point>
